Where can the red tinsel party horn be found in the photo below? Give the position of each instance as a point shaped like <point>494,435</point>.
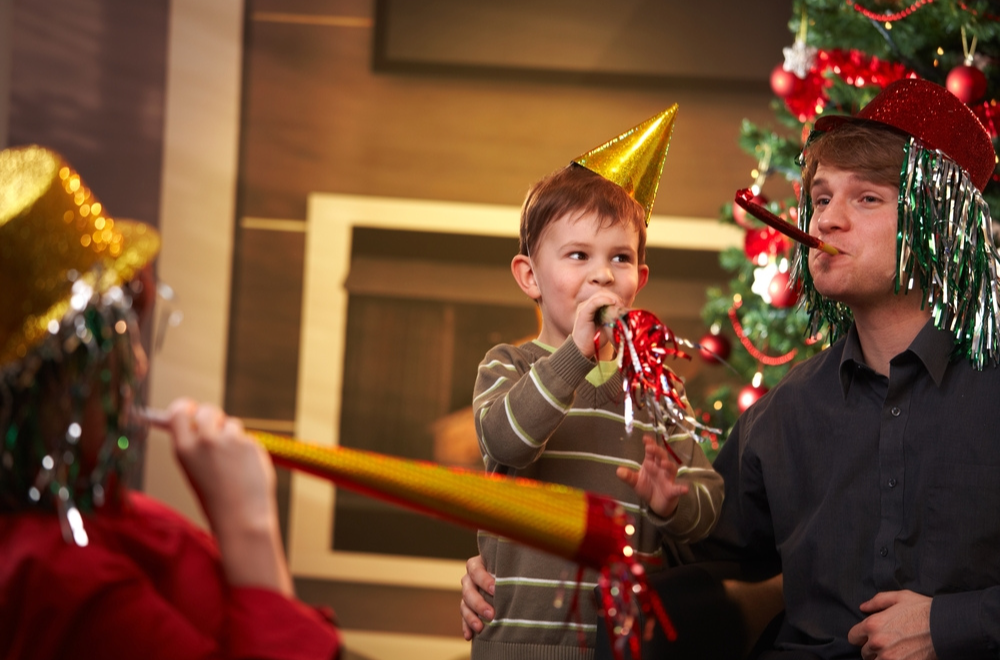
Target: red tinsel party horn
<point>744,198</point>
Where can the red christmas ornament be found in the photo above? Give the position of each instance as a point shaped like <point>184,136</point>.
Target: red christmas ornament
<point>749,395</point>
<point>764,241</point>
<point>784,83</point>
<point>967,83</point>
<point>782,294</point>
<point>714,348</point>
<point>740,213</point>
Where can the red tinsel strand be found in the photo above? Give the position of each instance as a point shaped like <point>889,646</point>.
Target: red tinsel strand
<point>991,17</point>
<point>858,69</point>
<point>853,66</point>
<point>620,587</point>
<point>888,18</point>
<point>760,356</point>
<point>573,612</point>
<point>624,591</point>
<point>643,345</point>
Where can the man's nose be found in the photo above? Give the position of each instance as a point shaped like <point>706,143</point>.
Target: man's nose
<point>833,217</point>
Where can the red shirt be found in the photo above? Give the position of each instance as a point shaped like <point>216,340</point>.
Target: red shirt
<point>148,585</point>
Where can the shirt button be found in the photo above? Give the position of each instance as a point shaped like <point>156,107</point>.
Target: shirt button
<point>895,411</point>
<point>892,483</point>
<point>883,551</point>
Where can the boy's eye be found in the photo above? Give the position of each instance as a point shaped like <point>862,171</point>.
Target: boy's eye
<point>623,258</point>
<point>578,255</point>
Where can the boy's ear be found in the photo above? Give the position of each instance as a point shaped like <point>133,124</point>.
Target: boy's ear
<point>524,275</point>
<point>643,277</point>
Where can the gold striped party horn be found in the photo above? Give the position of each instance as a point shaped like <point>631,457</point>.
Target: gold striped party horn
<point>575,524</point>
<point>568,522</point>
<point>578,525</point>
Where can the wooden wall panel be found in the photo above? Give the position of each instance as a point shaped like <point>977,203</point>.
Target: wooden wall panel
<point>317,118</point>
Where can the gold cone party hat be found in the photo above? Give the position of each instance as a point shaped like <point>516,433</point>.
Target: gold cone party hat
<point>634,159</point>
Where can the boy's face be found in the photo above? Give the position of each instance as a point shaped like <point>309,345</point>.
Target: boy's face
<point>859,218</point>
<point>576,259</point>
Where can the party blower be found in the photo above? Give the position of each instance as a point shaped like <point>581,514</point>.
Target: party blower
<point>745,197</point>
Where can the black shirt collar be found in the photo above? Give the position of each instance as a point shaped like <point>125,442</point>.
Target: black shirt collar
<point>933,347</point>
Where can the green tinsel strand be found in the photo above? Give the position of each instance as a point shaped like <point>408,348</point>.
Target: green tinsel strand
<point>56,378</point>
<point>945,241</point>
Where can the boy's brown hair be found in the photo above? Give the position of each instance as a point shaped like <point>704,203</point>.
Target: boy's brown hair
<point>575,188</point>
<point>874,151</point>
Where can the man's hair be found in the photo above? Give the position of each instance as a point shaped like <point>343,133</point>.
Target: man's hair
<point>872,150</point>
<point>576,189</point>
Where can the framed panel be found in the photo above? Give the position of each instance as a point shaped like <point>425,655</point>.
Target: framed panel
<point>334,272</point>
<point>637,41</point>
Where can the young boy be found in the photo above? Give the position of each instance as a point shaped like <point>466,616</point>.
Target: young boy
<point>552,409</point>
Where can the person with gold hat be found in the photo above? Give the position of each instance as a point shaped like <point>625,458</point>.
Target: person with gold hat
<point>87,567</point>
<point>868,476</point>
<point>552,409</point>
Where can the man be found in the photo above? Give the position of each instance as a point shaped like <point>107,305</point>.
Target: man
<point>868,477</point>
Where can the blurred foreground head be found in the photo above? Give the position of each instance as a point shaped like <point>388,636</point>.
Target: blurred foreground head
<point>70,359</point>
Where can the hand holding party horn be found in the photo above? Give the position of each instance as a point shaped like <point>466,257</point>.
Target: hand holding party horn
<point>744,198</point>
<point>587,528</point>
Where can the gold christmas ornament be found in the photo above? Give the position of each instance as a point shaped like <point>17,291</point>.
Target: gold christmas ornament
<point>55,233</point>
<point>634,159</point>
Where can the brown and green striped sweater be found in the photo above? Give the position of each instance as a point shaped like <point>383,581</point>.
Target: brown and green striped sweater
<point>553,415</point>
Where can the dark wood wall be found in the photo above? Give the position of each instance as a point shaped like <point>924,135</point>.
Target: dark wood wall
<point>88,79</point>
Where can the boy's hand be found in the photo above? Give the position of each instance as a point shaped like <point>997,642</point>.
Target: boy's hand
<point>654,482</point>
<point>474,607</point>
<point>586,324</point>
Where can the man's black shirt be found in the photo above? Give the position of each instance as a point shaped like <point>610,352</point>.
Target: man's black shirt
<point>852,483</point>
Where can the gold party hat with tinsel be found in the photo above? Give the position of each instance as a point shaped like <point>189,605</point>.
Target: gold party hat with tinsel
<point>53,231</point>
<point>634,159</point>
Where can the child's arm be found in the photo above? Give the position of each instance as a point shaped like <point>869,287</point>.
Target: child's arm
<point>684,500</point>
<point>519,404</point>
<point>695,489</point>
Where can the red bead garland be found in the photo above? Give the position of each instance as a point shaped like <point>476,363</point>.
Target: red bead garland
<point>888,18</point>
<point>767,360</point>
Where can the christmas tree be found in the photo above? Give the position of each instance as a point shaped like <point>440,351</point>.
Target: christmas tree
<point>842,54</point>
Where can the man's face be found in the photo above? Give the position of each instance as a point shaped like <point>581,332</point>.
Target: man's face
<point>859,218</point>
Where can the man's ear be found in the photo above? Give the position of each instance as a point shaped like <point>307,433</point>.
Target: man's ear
<point>524,275</point>
<point>643,277</point>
